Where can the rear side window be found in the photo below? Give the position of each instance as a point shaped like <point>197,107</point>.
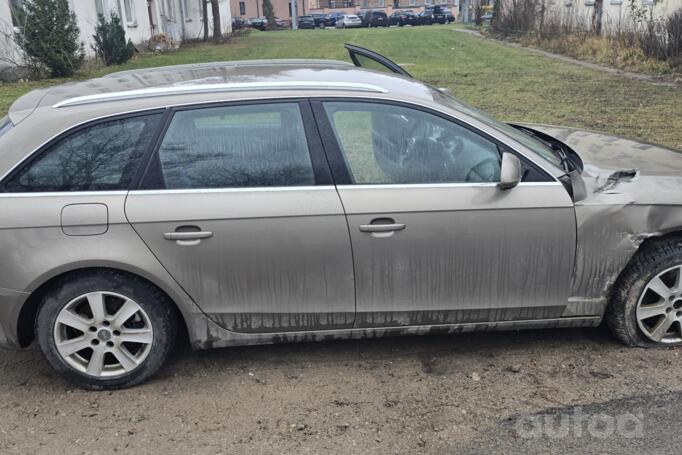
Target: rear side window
<point>101,157</point>
<point>234,146</point>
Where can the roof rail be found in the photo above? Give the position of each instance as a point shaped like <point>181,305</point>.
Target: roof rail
<point>217,88</point>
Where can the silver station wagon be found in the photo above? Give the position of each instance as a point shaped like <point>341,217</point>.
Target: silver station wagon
<point>273,201</point>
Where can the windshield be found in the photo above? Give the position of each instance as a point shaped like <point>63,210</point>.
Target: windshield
<point>535,145</point>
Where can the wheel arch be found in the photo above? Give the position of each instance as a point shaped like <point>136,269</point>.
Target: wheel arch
<point>43,285</point>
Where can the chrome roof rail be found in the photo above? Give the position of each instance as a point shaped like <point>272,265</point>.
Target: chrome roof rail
<point>217,88</point>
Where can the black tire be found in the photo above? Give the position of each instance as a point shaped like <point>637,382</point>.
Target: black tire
<point>322,25</point>
<point>648,263</point>
<point>159,309</point>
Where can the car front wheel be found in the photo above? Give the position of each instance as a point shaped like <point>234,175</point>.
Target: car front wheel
<point>646,304</point>
<point>106,329</point>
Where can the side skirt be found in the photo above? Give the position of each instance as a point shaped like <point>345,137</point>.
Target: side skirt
<point>206,334</point>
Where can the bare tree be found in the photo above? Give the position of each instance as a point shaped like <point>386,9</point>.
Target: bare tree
<point>217,28</point>
<point>204,6</point>
<point>597,16</point>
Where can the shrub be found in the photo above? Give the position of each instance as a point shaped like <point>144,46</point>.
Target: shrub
<point>110,41</point>
<point>50,38</point>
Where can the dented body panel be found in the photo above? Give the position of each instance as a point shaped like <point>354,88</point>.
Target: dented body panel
<point>634,193</point>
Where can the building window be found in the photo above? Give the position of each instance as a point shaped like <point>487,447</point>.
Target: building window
<point>99,7</point>
<point>382,3</point>
<point>242,8</point>
<point>365,3</point>
<point>129,11</point>
<point>413,2</point>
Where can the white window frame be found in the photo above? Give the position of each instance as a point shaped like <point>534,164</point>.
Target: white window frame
<point>99,8</point>
<point>128,9</point>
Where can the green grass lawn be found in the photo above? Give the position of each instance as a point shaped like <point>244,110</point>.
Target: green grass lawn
<point>509,83</point>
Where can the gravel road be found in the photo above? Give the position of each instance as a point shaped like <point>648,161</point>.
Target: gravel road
<point>473,393</point>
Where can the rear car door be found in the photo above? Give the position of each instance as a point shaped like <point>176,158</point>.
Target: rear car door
<point>238,204</point>
<point>435,240</point>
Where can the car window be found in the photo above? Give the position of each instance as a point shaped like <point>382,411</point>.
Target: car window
<point>102,157</point>
<point>236,146</point>
<point>389,144</point>
<point>536,146</point>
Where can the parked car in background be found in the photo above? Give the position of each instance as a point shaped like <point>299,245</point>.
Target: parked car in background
<point>348,21</point>
<point>487,17</point>
<point>436,14</point>
<point>281,23</point>
<point>321,20</point>
<point>403,17</point>
<point>306,22</point>
<point>424,18</point>
<point>333,17</point>
<point>259,23</point>
<point>239,23</point>
<point>449,14</point>
<point>373,18</point>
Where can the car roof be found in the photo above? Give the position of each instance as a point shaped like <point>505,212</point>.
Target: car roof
<point>227,80</point>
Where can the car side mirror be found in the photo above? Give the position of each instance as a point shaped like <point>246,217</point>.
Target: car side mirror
<point>510,173</point>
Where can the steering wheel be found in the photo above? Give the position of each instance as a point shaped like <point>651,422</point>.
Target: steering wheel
<point>479,173</point>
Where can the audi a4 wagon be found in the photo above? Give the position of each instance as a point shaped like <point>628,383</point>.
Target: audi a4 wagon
<point>258,202</point>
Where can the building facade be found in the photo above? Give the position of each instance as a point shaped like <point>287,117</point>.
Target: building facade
<point>616,13</point>
<point>141,19</point>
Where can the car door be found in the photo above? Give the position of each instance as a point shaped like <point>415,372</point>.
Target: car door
<point>435,240</point>
<point>238,205</point>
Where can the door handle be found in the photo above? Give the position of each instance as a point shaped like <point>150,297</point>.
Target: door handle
<point>188,235</point>
<point>382,227</point>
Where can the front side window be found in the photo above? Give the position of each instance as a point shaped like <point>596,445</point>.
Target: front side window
<point>235,146</point>
<point>102,157</point>
<point>389,144</point>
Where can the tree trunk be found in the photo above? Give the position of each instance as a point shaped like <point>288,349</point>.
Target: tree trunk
<point>597,16</point>
<point>217,29</point>
<point>204,6</point>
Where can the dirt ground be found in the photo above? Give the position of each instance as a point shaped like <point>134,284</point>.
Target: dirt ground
<point>433,394</point>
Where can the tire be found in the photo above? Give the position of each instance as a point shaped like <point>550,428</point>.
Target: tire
<point>322,25</point>
<point>633,298</point>
<point>153,323</point>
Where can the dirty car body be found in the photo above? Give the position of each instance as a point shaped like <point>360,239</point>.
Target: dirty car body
<point>394,211</point>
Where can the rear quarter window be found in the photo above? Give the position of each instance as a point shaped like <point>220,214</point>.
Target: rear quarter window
<point>101,157</point>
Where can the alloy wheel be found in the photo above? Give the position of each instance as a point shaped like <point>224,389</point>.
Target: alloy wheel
<point>103,334</point>
<point>659,309</point>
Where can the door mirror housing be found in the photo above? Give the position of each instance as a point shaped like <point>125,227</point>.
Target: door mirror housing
<point>511,171</point>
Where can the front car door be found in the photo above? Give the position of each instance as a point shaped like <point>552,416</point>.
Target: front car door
<point>435,241</point>
<point>239,206</point>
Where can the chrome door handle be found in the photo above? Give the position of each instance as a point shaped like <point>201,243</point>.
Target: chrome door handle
<point>382,227</point>
<point>188,235</point>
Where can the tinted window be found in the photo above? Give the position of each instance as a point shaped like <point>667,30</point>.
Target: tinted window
<point>393,144</point>
<point>236,146</point>
<point>101,157</point>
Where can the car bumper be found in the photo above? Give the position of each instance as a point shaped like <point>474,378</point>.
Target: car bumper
<point>10,307</point>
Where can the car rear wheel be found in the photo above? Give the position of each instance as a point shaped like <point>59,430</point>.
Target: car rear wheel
<point>646,304</point>
<point>106,330</point>
<point>322,25</point>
